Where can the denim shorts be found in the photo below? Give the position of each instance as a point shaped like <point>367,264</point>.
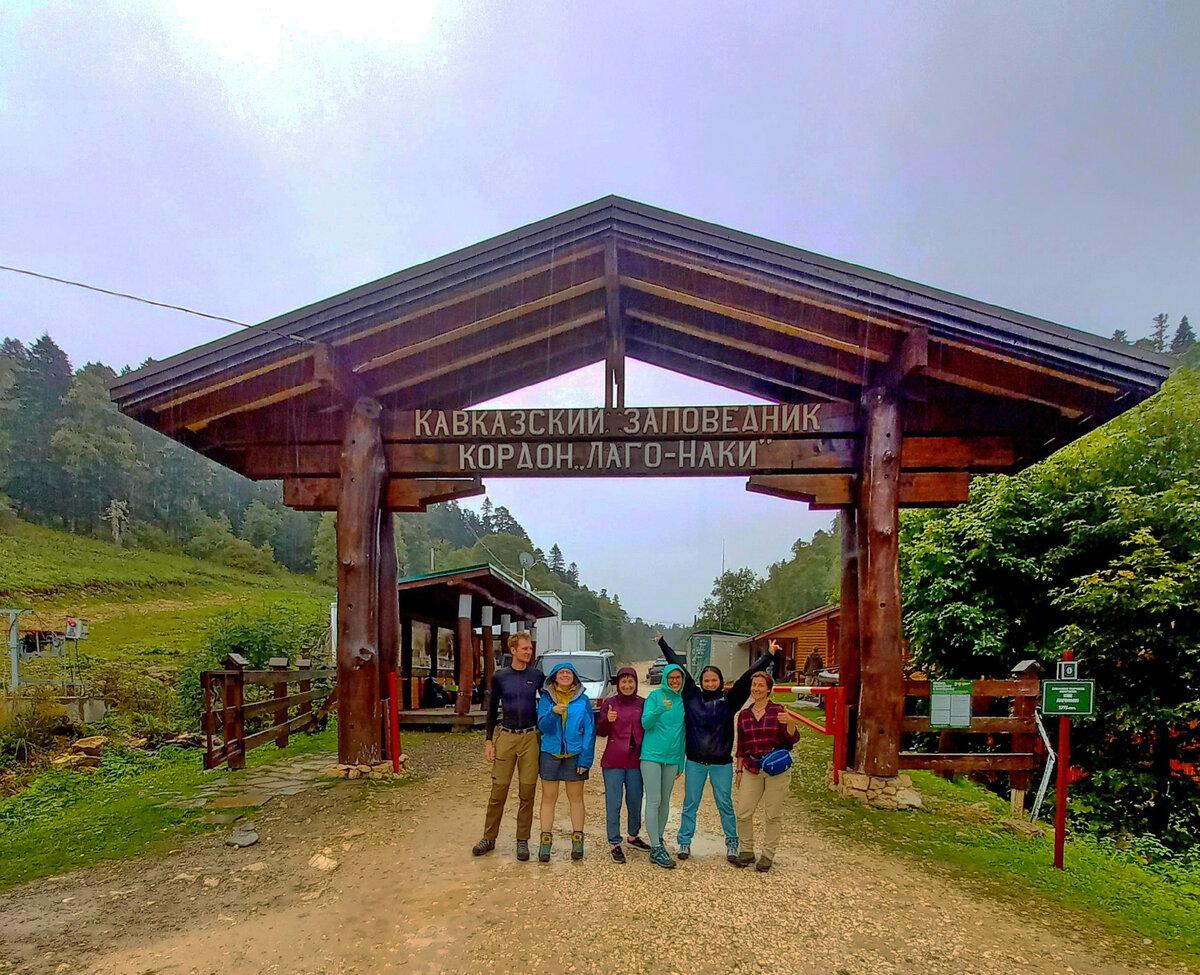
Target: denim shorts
<point>554,769</point>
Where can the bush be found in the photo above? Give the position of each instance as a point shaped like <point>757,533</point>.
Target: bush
<point>129,691</point>
<point>8,514</point>
<point>151,538</point>
<point>257,635</point>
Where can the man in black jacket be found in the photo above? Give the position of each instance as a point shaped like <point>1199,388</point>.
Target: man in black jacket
<point>709,713</point>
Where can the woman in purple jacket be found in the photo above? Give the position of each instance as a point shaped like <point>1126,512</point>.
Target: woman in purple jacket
<point>620,721</point>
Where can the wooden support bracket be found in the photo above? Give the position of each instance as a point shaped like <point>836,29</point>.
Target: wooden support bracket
<point>399,494</point>
<point>826,492</point>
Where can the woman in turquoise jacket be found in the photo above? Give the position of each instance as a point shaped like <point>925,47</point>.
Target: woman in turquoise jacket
<point>568,748</point>
<point>662,757</point>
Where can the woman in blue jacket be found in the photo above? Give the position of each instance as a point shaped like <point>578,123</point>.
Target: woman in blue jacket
<point>568,732</point>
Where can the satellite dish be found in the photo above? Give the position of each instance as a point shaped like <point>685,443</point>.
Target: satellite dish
<point>527,561</point>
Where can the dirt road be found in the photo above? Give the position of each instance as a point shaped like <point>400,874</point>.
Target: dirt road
<point>406,896</point>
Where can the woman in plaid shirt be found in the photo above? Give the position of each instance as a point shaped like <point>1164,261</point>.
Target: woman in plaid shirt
<point>762,727</point>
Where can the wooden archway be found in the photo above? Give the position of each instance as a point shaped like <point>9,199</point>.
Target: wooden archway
<point>879,393</point>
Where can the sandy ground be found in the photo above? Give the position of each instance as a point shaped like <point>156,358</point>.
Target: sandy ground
<point>407,896</point>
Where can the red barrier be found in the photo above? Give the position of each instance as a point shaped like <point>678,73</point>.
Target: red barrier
<point>835,719</point>
<point>394,719</point>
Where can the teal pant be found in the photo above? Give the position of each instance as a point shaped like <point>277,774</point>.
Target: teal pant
<point>721,777</point>
<point>657,782</point>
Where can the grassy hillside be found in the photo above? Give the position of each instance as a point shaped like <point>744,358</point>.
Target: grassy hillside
<point>141,605</point>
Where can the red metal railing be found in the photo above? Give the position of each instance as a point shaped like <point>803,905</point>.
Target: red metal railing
<point>836,719</point>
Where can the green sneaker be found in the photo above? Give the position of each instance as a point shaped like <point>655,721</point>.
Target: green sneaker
<point>544,847</point>
<point>577,845</point>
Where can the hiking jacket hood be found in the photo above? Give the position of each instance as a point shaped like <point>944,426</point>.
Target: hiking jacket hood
<point>577,734</point>
<point>664,739</point>
<point>624,746</point>
<point>709,716</point>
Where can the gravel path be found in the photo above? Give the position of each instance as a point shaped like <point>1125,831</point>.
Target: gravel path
<point>406,896</point>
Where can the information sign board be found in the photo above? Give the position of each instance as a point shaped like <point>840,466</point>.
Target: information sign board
<point>950,704</point>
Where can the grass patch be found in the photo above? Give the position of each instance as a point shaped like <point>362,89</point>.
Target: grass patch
<point>68,820</point>
<point>146,607</point>
<point>1097,888</point>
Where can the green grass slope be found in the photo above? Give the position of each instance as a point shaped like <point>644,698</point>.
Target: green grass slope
<point>141,605</point>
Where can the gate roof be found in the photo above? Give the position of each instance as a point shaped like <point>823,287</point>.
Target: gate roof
<point>716,304</point>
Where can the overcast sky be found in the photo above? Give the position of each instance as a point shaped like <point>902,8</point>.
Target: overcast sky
<point>1042,156</point>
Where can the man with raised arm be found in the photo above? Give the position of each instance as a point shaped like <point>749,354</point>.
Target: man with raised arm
<point>514,744</point>
<point>709,712</point>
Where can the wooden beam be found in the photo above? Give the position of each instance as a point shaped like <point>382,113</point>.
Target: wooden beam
<point>614,363</point>
<point>825,492</point>
<point>849,650</point>
<point>399,494</point>
<point>751,348</point>
<point>686,456</point>
<point>881,709</point>
<point>389,611</point>
<point>908,361</point>
<point>492,353</point>
<point>471,328</point>
<point>362,473</point>
<point>486,621</point>
<point>967,762</point>
<point>329,370</point>
<point>466,656</point>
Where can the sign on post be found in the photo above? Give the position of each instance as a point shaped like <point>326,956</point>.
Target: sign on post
<point>1068,670</point>
<point>950,704</point>
<point>1068,698</point>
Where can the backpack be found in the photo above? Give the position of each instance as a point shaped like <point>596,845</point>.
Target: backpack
<point>777,762</point>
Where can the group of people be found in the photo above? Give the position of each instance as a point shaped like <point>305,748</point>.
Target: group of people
<point>543,726</point>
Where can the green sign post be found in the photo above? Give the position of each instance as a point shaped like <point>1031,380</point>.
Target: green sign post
<point>950,703</point>
<point>1068,698</point>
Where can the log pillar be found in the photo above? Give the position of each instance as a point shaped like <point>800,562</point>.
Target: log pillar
<point>881,699</point>
<point>389,612</point>
<point>466,656</point>
<point>489,652</point>
<point>531,626</point>
<point>363,470</point>
<point>848,648</point>
<point>406,668</point>
<point>506,629</point>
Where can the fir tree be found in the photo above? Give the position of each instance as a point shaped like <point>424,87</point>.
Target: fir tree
<point>1158,334</point>
<point>556,560</point>
<point>32,478</point>
<point>1184,338</point>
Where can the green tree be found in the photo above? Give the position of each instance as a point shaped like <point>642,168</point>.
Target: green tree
<point>1158,334</point>
<point>261,523</point>
<point>735,603</point>
<point>1184,338</point>
<point>1095,548</point>
<point>32,479</point>
<point>93,448</point>
<point>325,548</point>
<point>556,560</point>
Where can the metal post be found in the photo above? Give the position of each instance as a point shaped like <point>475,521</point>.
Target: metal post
<point>1060,783</point>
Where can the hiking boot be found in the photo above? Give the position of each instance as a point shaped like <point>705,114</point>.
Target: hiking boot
<point>522,850</point>
<point>618,854</point>
<point>638,843</point>
<point>763,865</point>
<point>743,860</point>
<point>483,846</point>
<point>660,857</point>
<point>684,852</point>
<point>731,851</point>
<point>544,847</point>
<point>577,845</point>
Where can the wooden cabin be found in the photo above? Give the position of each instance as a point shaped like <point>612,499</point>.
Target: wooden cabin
<point>797,638</point>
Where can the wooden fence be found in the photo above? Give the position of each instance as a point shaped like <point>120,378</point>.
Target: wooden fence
<point>1022,758</point>
<point>238,703</point>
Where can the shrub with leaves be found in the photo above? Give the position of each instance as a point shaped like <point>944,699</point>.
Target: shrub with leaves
<point>1097,549</point>
<point>256,635</point>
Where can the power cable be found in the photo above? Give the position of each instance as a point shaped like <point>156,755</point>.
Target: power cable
<point>150,301</point>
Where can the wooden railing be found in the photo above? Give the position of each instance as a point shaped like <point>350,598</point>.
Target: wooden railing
<point>1019,761</point>
<point>238,702</point>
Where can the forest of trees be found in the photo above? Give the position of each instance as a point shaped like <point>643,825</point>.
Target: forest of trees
<point>69,460</point>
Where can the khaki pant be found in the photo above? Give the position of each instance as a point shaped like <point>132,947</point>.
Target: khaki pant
<point>519,753</point>
<point>751,792</point>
